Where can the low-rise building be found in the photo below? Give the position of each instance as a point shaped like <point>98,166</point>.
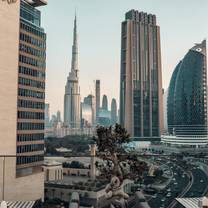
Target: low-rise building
<point>53,171</point>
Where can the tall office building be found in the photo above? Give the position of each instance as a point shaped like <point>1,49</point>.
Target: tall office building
<point>113,112</point>
<point>141,111</point>
<point>58,115</point>
<point>72,90</point>
<point>22,95</point>
<point>97,98</point>
<point>105,102</point>
<point>90,100</point>
<point>187,95</point>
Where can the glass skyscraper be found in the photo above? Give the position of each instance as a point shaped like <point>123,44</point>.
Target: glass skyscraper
<point>187,96</point>
<point>141,111</point>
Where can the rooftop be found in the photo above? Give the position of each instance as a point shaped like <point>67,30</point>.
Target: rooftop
<point>37,3</point>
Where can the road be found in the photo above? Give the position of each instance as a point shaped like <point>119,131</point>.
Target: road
<point>192,183</point>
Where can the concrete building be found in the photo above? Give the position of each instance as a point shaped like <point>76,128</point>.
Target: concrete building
<point>114,116</point>
<point>141,111</point>
<point>53,171</point>
<point>105,102</point>
<point>22,95</point>
<point>72,89</point>
<point>97,98</point>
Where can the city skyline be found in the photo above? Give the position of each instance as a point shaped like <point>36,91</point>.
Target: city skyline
<point>107,33</point>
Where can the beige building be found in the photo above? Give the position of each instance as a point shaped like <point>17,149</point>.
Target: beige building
<point>22,89</point>
<point>53,171</point>
<point>141,111</point>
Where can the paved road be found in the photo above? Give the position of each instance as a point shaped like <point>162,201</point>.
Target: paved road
<point>193,183</point>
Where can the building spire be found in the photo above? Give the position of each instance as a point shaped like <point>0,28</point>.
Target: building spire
<point>74,62</point>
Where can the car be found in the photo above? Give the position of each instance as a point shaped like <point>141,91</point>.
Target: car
<point>201,181</point>
<point>154,196</point>
<point>163,199</point>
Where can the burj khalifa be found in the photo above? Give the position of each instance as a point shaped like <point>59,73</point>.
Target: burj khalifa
<point>72,89</point>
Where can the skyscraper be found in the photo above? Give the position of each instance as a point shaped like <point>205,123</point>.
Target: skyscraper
<point>90,100</point>
<point>113,111</point>
<point>187,95</point>
<point>141,111</point>
<point>97,98</point>
<point>105,103</point>
<point>72,90</point>
<point>58,115</point>
<point>22,95</point>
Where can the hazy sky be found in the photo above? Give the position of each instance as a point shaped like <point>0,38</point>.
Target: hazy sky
<point>182,23</point>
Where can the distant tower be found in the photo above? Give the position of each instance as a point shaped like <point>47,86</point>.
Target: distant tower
<point>58,115</point>
<point>90,100</point>
<point>105,103</point>
<point>113,111</point>
<point>72,90</point>
<point>97,98</point>
<point>47,115</point>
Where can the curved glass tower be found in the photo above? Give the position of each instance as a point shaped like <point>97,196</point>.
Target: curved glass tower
<point>187,96</point>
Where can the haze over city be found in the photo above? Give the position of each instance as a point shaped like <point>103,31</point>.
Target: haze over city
<point>103,104</point>
<point>99,25</point>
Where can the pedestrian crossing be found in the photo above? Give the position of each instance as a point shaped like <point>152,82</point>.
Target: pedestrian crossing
<point>190,202</point>
<point>20,204</point>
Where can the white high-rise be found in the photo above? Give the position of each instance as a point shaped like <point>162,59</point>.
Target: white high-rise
<point>72,90</point>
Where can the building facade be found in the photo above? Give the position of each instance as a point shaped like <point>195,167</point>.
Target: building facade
<point>114,116</point>
<point>141,111</point>
<point>72,89</point>
<point>91,101</point>
<point>22,72</point>
<point>187,97</point>
<point>47,115</point>
<point>105,102</point>
<point>97,98</point>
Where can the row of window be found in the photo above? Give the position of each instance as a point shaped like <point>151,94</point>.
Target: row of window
<point>31,159</point>
<point>30,104</point>
<point>30,148</point>
<point>31,93</point>
<point>32,83</point>
<point>32,17</point>
<point>32,30</point>
<point>29,137</point>
<point>32,51</point>
<point>32,61</point>
<point>31,72</point>
<point>30,115</point>
<point>30,126</point>
<point>33,41</point>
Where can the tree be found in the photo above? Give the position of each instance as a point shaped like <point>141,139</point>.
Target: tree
<point>117,164</point>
